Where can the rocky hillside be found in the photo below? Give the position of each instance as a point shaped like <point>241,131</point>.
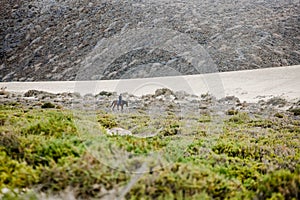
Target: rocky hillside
<point>75,40</point>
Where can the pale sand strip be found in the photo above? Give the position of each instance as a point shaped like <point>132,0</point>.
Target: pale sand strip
<point>248,85</point>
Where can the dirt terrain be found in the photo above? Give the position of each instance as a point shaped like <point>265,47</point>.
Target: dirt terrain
<point>80,40</point>
<point>161,102</point>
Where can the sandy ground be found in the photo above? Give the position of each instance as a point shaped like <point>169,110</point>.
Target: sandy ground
<point>249,85</point>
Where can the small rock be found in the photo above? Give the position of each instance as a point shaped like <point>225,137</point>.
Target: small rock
<point>118,131</point>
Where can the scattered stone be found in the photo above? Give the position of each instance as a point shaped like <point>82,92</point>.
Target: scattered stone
<point>118,131</point>
<point>277,101</point>
<point>40,94</point>
<point>3,92</point>
<point>163,92</point>
<point>188,104</point>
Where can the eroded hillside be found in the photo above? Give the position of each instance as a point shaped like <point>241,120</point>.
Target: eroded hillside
<point>57,40</point>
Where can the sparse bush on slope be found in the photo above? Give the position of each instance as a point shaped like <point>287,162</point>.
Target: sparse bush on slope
<point>247,158</point>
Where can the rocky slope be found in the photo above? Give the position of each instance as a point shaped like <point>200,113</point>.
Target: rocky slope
<point>63,40</point>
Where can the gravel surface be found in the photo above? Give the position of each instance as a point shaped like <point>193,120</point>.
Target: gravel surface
<point>161,101</point>
<point>83,40</point>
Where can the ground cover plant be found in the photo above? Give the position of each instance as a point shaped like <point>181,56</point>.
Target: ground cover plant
<point>50,151</point>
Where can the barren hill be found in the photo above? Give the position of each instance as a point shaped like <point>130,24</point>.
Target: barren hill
<point>75,40</point>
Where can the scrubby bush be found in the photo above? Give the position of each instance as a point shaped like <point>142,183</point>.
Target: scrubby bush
<point>184,181</point>
<point>246,159</point>
<point>239,118</point>
<point>2,119</point>
<point>295,111</point>
<point>48,105</point>
<point>279,115</point>
<point>171,127</point>
<point>105,93</point>
<point>55,123</point>
<point>14,174</point>
<point>263,123</point>
<point>282,183</point>
<point>277,101</point>
<point>163,91</point>
<point>205,119</point>
<point>53,150</point>
<point>232,112</point>
<point>10,143</point>
<point>107,121</point>
<point>87,175</point>
<point>240,150</point>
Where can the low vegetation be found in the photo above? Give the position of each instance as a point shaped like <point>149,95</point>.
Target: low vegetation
<point>51,152</point>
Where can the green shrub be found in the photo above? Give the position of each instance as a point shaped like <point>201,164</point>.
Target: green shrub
<point>232,112</point>
<point>107,121</point>
<point>86,175</point>
<point>2,119</point>
<point>105,93</point>
<point>295,111</point>
<point>281,182</point>
<point>240,150</point>
<point>140,145</point>
<point>10,143</point>
<point>54,123</point>
<point>194,148</point>
<point>205,119</point>
<point>53,150</point>
<point>263,123</point>
<point>14,174</point>
<point>183,181</point>
<point>48,105</point>
<point>43,149</point>
<point>279,115</point>
<point>171,127</point>
<point>240,118</point>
